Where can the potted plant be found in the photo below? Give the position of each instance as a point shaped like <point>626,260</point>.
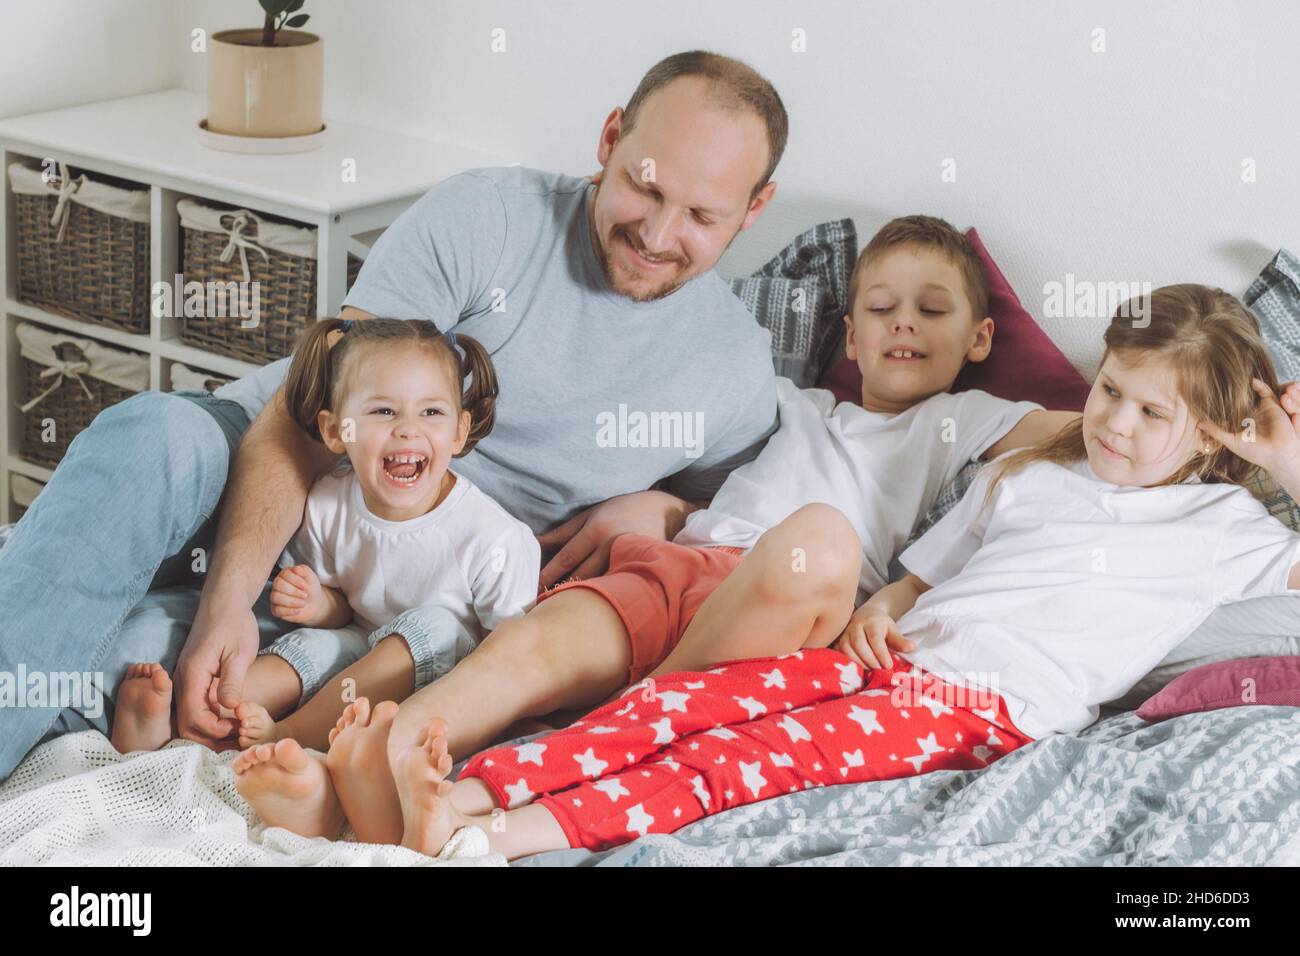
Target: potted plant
<point>267,81</point>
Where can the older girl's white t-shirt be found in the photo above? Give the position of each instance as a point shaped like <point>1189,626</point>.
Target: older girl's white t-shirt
<point>1067,590</point>
<point>468,555</point>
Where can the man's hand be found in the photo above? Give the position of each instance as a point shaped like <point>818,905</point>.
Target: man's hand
<point>869,635</point>
<point>585,539</point>
<point>220,648</point>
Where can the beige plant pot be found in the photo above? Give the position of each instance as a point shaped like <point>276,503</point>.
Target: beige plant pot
<point>255,90</point>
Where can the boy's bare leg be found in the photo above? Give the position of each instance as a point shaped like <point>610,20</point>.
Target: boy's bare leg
<point>432,814</point>
<point>795,589</point>
<point>571,651</point>
<point>386,673</point>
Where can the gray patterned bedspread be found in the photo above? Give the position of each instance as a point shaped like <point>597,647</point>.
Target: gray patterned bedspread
<point>1220,788</point>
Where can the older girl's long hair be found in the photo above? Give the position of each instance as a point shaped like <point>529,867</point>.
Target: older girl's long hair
<point>1213,345</point>
<point>321,359</point>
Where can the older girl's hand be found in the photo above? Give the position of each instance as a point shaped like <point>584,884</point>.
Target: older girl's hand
<point>1271,437</point>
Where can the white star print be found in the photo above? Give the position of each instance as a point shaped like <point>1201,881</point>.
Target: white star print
<point>994,740</point>
<point>694,685</point>
<point>866,719</point>
<point>592,766</point>
<point>752,707</point>
<point>991,715</point>
<point>612,788</point>
<point>625,710</point>
<point>677,812</point>
<point>796,730</point>
<point>673,700</point>
<point>982,752</point>
<point>697,788</point>
<point>603,730</point>
<point>751,775</point>
<point>730,795</point>
<point>850,679</point>
<point>517,793</point>
<point>935,706</point>
<point>773,678</point>
<point>928,746</point>
<point>663,728</point>
<point>530,753</point>
<point>723,733</point>
<point>830,728</point>
<point>672,764</point>
<point>781,760</point>
<point>638,821</point>
<point>854,759</point>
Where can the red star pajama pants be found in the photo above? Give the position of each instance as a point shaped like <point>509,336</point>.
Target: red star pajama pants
<point>671,751</point>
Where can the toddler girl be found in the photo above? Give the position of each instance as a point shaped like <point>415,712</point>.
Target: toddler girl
<point>401,562</point>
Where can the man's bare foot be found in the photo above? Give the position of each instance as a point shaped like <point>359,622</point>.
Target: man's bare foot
<point>289,788</point>
<point>420,771</point>
<point>256,725</point>
<point>142,716</point>
<point>358,765</point>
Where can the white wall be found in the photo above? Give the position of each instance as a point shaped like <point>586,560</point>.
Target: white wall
<point>58,53</point>
<point>1115,166</point>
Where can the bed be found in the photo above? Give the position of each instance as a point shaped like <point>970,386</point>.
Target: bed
<point>1218,788</point>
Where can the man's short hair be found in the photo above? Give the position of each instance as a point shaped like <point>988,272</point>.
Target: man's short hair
<point>732,86</point>
<point>928,232</point>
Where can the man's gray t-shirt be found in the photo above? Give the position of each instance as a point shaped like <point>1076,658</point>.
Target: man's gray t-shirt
<point>600,395</point>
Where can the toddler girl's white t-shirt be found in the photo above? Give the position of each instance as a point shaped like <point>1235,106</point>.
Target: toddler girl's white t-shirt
<point>468,555</point>
<point>1067,590</point>
<point>883,470</point>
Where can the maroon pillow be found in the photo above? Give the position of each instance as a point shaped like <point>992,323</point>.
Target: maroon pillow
<point>1273,680</point>
<point>1024,364</point>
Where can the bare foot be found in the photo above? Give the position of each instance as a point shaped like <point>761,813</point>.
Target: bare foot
<point>358,765</point>
<point>256,726</point>
<point>289,788</point>
<point>142,717</point>
<point>420,771</point>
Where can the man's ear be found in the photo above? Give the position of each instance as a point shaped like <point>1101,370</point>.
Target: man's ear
<point>610,131</point>
<point>756,206</point>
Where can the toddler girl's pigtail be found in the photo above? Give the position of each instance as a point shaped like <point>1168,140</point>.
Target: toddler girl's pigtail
<point>308,384</point>
<point>480,399</point>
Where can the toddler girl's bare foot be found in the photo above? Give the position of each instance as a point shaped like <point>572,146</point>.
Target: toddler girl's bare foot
<point>142,717</point>
<point>256,725</point>
<point>420,771</point>
<point>289,788</point>
<point>358,766</point>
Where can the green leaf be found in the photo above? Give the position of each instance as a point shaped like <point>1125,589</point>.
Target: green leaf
<point>299,20</point>
<point>274,7</point>
<point>295,6</point>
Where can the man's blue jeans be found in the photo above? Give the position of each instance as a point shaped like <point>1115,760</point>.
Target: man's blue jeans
<point>100,571</point>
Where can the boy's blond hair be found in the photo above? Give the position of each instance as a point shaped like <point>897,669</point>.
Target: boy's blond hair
<point>928,232</point>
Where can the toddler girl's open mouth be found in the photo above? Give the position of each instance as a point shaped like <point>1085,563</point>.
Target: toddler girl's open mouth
<point>405,469</point>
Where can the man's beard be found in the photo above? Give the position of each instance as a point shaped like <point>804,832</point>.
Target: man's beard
<point>607,266</point>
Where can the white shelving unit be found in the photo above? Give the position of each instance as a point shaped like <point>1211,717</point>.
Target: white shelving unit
<point>349,190</point>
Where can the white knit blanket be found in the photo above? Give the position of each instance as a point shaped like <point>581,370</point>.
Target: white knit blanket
<point>77,801</point>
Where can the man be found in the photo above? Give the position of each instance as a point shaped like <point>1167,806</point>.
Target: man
<point>595,297</point>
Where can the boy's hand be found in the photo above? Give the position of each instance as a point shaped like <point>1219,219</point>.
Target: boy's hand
<point>868,637</point>
<point>1276,444</point>
<point>297,596</point>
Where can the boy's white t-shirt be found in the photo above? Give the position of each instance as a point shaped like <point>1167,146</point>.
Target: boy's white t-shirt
<point>1067,590</point>
<point>883,470</point>
<point>468,555</point>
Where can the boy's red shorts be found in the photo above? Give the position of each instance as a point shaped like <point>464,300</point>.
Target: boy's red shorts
<point>656,587</point>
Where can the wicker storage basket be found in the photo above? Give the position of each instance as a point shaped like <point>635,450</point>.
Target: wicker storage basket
<point>22,491</point>
<point>183,377</point>
<point>239,245</point>
<point>82,246</point>
<point>70,380</point>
